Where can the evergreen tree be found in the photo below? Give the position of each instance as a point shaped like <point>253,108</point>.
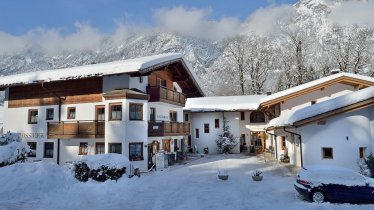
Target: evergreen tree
<point>226,141</point>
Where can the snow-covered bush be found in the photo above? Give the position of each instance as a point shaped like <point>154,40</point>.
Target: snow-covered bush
<point>12,150</point>
<point>100,167</point>
<point>367,166</point>
<point>226,141</point>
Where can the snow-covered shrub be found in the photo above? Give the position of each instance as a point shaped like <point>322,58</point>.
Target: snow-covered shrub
<point>100,167</point>
<point>12,150</point>
<point>367,166</point>
<point>226,141</point>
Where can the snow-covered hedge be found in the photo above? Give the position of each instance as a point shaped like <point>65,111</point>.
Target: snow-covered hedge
<point>100,167</point>
<point>12,150</point>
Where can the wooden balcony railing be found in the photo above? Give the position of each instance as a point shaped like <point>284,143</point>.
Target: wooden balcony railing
<point>158,93</point>
<point>76,129</point>
<point>156,128</point>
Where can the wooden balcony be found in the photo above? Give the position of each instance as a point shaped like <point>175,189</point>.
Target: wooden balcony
<point>76,129</point>
<point>156,128</point>
<point>158,93</point>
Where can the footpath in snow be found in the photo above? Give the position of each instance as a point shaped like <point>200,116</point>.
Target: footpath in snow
<point>191,186</point>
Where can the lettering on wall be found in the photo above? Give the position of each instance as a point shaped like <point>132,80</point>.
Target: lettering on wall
<point>162,117</point>
<point>32,135</point>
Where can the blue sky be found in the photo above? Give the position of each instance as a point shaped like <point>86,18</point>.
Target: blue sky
<point>20,16</point>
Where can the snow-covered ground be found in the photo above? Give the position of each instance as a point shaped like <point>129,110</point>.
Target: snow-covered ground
<point>191,186</point>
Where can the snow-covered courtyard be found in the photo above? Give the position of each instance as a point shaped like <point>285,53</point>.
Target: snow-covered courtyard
<point>190,186</point>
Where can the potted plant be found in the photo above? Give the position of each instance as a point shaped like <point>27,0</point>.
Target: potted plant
<point>257,175</point>
<point>223,175</point>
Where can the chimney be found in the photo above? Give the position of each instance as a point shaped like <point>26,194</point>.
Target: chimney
<point>335,71</point>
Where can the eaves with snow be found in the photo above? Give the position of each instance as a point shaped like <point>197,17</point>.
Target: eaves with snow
<point>140,65</point>
<point>223,103</point>
<point>348,78</point>
<point>364,96</point>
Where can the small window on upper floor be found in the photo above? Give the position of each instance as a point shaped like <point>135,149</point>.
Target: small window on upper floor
<point>115,111</point>
<point>136,111</point>
<point>257,117</point>
<point>206,128</point>
<point>173,116</point>
<point>327,153</point>
<point>33,116</point>
<point>140,79</point>
<point>242,115</point>
<point>161,82</point>
<point>186,117</point>
<point>71,113</point>
<point>49,114</point>
<point>216,123</point>
<point>362,152</point>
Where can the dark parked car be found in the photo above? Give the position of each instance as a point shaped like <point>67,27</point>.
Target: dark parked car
<point>326,183</point>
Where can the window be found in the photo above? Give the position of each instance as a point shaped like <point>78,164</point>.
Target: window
<point>283,142</point>
<point>33,116</point>
<point>206,128</point>
<point>313,102</point>
<point>115,148</point>
<point>136,111</point>
<point>48,150</point>
<point>100,148</point>
<point>135,151</point>
<point>216,123</point>
<point>242,139</point>
<point>161,82</point>
<point>257,117</point>
<point>140,79</point>
<point>173,116</point>
<point>186,117</point>
<point>83,148</point>
<point>197,133</point>
<point>71,113</point>
<point>152,115</point>
<point>49,114</point>
<point>100,113</point>
<point>176,148</point>
<point>32,152</point>
<point>242,116</point>
<point>115,111</point>
<point>327,153</point>
<point>362,151</point>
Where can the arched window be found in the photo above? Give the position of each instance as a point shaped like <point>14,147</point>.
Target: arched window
<point>257,117</point>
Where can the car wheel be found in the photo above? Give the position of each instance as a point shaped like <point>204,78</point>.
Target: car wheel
<point>318,196</point>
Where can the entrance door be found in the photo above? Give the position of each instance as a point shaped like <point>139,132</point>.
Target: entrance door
<point>100,113</point>
<point>153,148</point>
<point>166,145</point>
<point>258,141</point>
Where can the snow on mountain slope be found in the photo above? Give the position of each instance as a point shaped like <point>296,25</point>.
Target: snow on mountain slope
<point>204,55</point>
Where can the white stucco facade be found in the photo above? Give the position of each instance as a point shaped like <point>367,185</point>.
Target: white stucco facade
<point>238,128</point>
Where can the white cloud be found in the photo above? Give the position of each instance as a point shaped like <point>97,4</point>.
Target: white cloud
<point>353,12</point>
<point>196,22</point>
<point>51,41</point>
<point>266,20</point>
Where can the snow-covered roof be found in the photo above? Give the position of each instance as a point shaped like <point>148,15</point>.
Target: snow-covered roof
<point>141,65</point>
<point>315,83</point>
<point>223,103</point>
<point>291,117</point>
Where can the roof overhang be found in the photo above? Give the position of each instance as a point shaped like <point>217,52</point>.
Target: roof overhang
<point>356,82</point>
<point>332,113</point>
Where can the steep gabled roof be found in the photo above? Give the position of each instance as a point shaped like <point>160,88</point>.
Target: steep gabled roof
<point>223,103</point>
<point>320,111</point>
<point>344,78</point>
<point>141,66</point>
